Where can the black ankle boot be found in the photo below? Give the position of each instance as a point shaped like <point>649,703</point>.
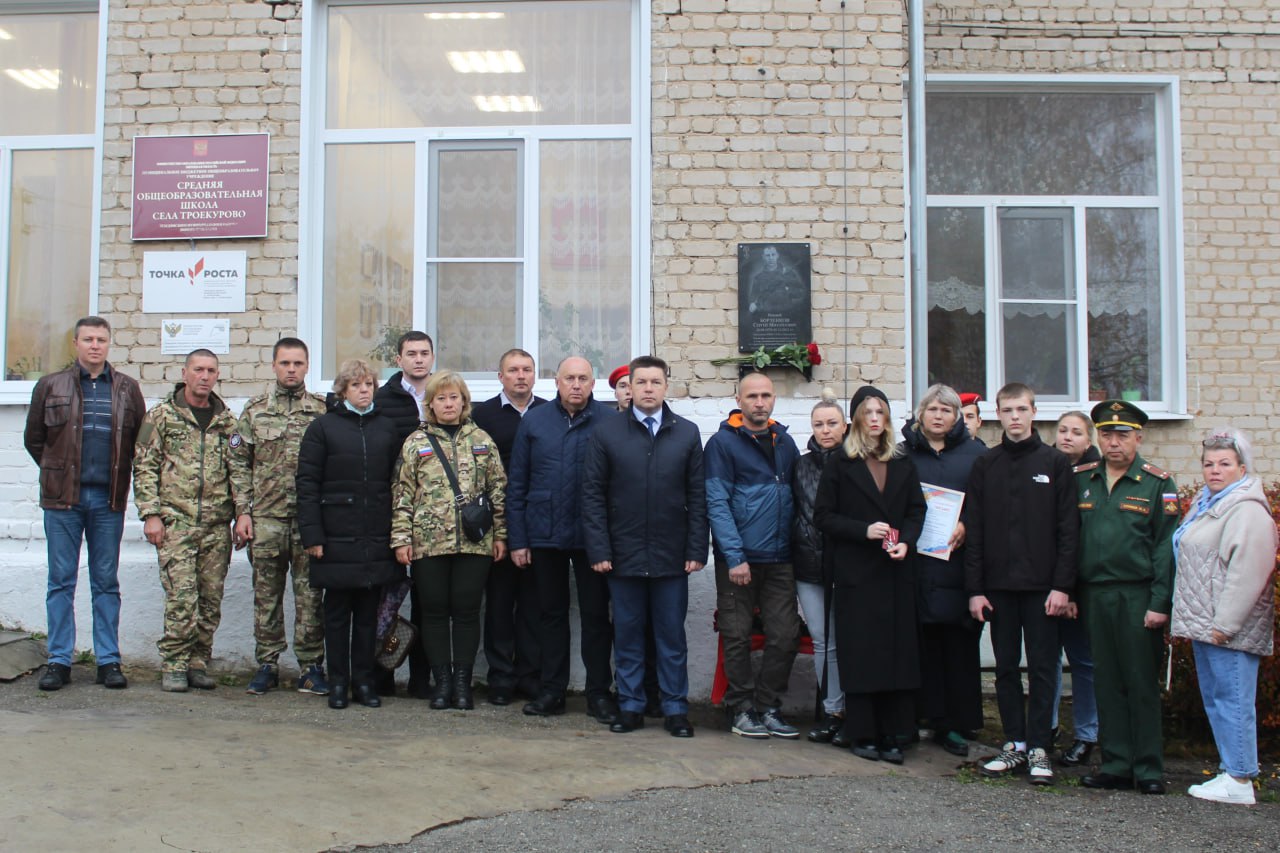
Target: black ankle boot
<point>442,690</point>
<point>462,687</point>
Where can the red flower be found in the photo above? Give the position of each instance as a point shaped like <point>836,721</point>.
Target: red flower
<point>815,358</point>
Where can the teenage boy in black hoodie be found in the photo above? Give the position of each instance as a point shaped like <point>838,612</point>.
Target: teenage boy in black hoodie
<point>1019,570</point>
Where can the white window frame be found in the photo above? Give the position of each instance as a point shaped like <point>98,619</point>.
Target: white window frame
<point>1167,202</point>
<point>15,391</point>
<point>316,137</point>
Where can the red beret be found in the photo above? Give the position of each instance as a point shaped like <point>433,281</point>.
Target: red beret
<point>625,370</point>
<point>969,399</point>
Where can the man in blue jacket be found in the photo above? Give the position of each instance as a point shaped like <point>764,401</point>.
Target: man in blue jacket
<point>749,464</point>
<point>644,509</point>
<point>544,527</point>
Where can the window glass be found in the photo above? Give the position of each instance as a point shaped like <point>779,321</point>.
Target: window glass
<point>50,234</point>
<point>478,313</point>
<point>1125,318</point>
<point>957,300</point>
<point>584,304</point>
<point>1039,348</point>
<point>48,73</point>
<point>476,202</point>
<point>368,252</point>
<point>479,64</point>
<point>992,143</point>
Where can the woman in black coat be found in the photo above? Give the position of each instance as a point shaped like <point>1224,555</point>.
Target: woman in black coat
<point>939,444</point>
<point>345,465</point>
<point>871,511</point>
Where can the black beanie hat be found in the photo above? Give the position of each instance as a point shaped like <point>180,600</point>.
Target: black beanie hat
<point>863,393</point>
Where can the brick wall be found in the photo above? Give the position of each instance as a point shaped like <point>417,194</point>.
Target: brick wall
<point>779,120</point>
<point>1227,56</point>
<point>193,68</point>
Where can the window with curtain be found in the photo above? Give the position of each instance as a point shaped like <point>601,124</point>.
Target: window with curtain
<point>479,171</point>
<point>48,86</point>
<point>1049,248</point>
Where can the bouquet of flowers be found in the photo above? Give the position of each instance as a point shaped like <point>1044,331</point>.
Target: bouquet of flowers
<point>800,356</point>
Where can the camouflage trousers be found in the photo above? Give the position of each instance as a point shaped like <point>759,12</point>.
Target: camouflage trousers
<point>193,570</point>
<point>277,547</point>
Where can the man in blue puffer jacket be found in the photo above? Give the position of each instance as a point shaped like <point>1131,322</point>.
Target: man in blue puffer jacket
<point>749,464</point>
<point>544,527</point>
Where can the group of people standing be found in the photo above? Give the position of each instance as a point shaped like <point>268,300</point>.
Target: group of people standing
<point>494,505</point>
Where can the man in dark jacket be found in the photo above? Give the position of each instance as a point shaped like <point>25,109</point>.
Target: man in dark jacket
<point>644,513</point>
<point>510,596</point>
<point>544,523</point>
<point>400,400</point>
<point>749,464</point>
<point>80,430</point>
<point>1020,569</point>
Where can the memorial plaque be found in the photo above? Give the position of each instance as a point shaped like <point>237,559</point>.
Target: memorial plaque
<point>773,295</point>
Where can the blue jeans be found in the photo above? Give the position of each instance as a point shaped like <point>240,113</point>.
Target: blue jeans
<point>665,601</point>
<point>93,520</point>
<point>1229,686</point>
<point>1084,705</point>
<point>813,605</point>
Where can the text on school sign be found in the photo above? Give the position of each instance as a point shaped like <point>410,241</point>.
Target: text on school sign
<point>193,282</point>
<point>200,187</point>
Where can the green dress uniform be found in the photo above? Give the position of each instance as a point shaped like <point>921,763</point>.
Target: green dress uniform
<point>1126,569</point>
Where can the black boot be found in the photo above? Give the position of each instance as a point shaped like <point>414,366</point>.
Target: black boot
<point>442,690</point>
<point>462,687</point>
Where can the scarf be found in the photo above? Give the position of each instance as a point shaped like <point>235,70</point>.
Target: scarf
<point>1205,500</point>
<point>347,403</point>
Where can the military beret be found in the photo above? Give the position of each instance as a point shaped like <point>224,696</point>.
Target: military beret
<point>1118,415</point>
<point>969,399</point>
<point>617,375</point>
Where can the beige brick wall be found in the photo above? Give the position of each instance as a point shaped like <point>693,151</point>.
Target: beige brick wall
<point>779,120</point>
<point>202,67</point>
<point>1227,56</point>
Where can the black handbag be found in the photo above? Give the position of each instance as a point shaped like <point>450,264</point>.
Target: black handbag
<point>477,513</point>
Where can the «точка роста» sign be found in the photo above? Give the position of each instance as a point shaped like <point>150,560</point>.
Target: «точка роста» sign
<point>200,187</point>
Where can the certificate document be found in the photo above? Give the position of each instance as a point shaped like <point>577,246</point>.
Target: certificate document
<point>939,521</point>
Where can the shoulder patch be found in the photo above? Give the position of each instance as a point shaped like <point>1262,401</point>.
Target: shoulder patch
<point>1155,472</point>
<point>480,450</point>
<point>1088,466</point>
<point>1171,504</point>
<point>236,439</point>
<point>145,432</point>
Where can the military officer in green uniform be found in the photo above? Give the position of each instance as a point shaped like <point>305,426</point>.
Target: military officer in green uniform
<point>1128,512</point>
<point>183,487</point>
<point>264,451</point>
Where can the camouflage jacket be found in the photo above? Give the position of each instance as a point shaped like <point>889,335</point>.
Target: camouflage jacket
<point>423,511</point>
<point>264,450</point>
<point>180,473</point>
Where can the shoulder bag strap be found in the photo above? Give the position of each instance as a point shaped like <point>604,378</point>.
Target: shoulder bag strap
<point>448,470</point>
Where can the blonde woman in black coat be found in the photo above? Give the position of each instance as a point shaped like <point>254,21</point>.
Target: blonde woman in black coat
<point>869,495</point>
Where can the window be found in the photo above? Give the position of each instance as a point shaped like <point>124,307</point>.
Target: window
<point>48,98</point>
<point>1051,234</point>
<point>481,181</point>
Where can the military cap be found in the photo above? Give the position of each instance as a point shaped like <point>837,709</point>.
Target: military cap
<point>1118,415</point>
<point>618,373</point>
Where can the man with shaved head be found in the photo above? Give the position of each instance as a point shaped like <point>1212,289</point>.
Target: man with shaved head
<point>544,524</point>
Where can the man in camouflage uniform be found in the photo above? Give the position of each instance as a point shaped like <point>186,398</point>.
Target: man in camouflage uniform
<point>264,454</point>
<point>183,486</point>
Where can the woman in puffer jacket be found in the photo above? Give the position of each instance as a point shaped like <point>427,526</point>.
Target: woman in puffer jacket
<point>1223,601</point>
<point>449,569</point>
<point>345,465</point>
<point>813,587</point>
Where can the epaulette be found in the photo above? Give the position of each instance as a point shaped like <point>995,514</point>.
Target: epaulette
<point>1155,472</point>
<point>1088,466</point>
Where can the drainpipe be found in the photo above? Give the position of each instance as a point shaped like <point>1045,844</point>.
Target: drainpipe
<point>917,226</point>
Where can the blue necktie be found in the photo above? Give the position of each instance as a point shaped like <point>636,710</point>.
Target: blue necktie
<point>651,424</point>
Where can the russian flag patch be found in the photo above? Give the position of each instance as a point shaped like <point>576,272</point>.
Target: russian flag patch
<point>480,450</point>
<point>426,451</point>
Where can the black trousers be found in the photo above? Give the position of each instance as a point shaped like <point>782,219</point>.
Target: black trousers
<point>511,627</point>
<point>950,677</point>
<point>551,573</point>
<point>874,716</point>
<point>350,633</point>
<point>1017,620</point>
<point>450,588</point>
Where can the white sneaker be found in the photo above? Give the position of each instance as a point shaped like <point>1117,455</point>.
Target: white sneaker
<point>1041,772</point>
<point>1223,789</point>
<point>1010,760</point>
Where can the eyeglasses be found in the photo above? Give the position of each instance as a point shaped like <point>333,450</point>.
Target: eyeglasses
<point>1221,441</point>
